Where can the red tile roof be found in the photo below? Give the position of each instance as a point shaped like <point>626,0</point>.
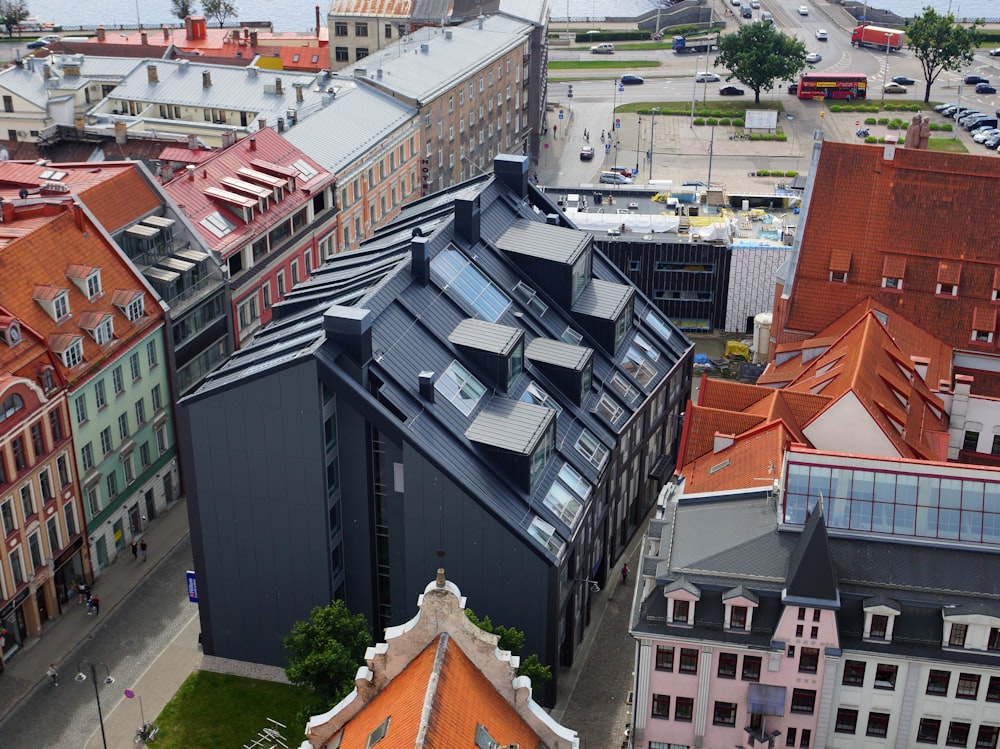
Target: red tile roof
<point>924,208</point>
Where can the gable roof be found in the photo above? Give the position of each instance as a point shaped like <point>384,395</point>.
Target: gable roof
<point>811,575</point>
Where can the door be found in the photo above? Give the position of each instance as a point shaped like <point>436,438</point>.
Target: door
<point>119,532</point>
<point>135,519</point>
<point>43,612</point>
<point>150,504</point>
<point>102,552</point>
<point>168,488</point>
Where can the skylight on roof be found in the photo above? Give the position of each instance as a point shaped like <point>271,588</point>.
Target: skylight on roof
<point>53,174</point>
<point>546,535</point>
<point>564,504</point>
<point>637,366</point>
<point>218,224</point>
<point>658,325</point>
<point>305,169</point>
<point>624,388</point>
<point>453,270</point>
<point>534,394</point>
<point>607,408</point>
<point>459,386</point>
<point>592,449</point>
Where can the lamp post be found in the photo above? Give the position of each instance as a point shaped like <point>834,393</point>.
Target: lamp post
<point>638,135</point>
<point>704,92</point>
<point>694,88</point>
<point>885,72</point>
<point>612,134</point>
<point>108,679</point>
<point>954,130</point>
<point>652,127</point>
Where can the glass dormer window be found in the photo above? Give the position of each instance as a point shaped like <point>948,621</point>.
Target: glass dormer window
<point>135,309</point>
<point>581,274</point>
<point>460,387</point>
<point>636,365</point>
<point>454,271</point>
<point>541,454</point>
<point>546,535</point>
<point>646,347</point>
<point>534,394</point>
<point>72,354</point>
<point>622,325</point>
<point>105,331</point>
<point>94,284</point>
<point>564,504</point>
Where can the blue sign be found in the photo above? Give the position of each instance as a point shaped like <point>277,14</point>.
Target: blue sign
<point>618,125</point>
<point>192,587</point>
<point>621,88</point>
<point>607,146</point>
<point>560,115</point>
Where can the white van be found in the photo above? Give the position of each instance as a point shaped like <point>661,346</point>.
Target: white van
<point>604,48</point>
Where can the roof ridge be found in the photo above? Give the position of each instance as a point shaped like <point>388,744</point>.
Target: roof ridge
<point>430,695</point>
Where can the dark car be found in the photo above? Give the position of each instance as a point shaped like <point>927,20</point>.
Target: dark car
<point>985,88</point>
<point>586,153</point>
<point>976,79</point>
<point>940,108</point>
<point>43,41</point>
<point>730,91</point>
<point>694,183</point>
<point>793,88</point>
<point>631,80</point>
<point>903,80</point>
<point>995,53</point>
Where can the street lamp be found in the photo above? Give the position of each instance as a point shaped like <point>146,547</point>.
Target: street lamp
<point>954,130</point>
<point>108,679</point>
<point>885,72</point>
<point>638,135</point>
<point>652,127</point>
<point>594,585</point>
<point>694,88</point>
<point>704,93</point>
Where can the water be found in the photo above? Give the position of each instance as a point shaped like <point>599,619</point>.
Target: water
<point>300,15</point>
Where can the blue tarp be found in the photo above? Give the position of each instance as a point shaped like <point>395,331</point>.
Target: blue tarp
<point>702,359</point>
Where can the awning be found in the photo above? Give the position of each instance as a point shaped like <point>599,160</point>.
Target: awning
<point>766,699</point>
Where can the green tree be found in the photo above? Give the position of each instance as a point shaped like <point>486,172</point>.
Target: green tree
<point>325,651</point>
<point>220,10</point>
<point>758,54</point>
<point>183,8</point>
<point>941,44</point>
<point>12,12</point>
<point>513,640</point>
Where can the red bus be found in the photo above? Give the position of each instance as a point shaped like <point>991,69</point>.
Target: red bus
<point>818,86</point>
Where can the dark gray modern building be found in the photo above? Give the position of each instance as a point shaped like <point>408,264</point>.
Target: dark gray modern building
<point>476,388</point>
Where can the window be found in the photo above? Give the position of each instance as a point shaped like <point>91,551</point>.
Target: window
<point>27,501</point>
<point>70,520</point>
<point>112,484</point>
<point>958,734</point>
<point>15,566</point>
<point>806,737</point>
<point>664,658</point>
<point>790,736</point>
<point>8,518</point>
<point>813,633</point>
<point>967,687</point>
<point>987,737</point>
<point>128,469</point>
<point>62,470</point>
<point>340,28</point>
<point>993,642</point>
<point>808,660</point>
<point>724,714</point>
<point>802,614</point>
<point>133,363</point>
<point>87,456</point>
<point>342,54</point>
<point>937,682</point>
<point>803,701</point>
<point>157,398</point>
<point>751,667</point>
<point>885,676</point>
<point>546,535</point>
<point>847,721</point>
<point>661,706</point>
<point>452,270</point>
<point>20,457</point>
<point>140,412</point>
<point>993,689</point>
<point>123,431</point>
<point>879,627</point>
<point>878,725</point>
<point>460,387</point>
<point>93,501</point>
<point>60,305</point>
<point>100,395</point>
<point>928,730</point>
<point>135,309</point>
<point>72,354</point>
<point>45,486</point>
<point>106,445</point>
<point>727,665</point>
<point>81,409</point>
<point>360,29</point>
<point>161,440</point>
<point>37,442</point>
<point>738,617</point>
<point>592,449</point>
<point>144,454</point>
<point>682,612</point>
<point>956,638</point>
<point>688,663</point>
<point>798,630</point>
<point>119,382</point>
<point>684,709</point>
<point>892,283</point>
<point>151,353</point>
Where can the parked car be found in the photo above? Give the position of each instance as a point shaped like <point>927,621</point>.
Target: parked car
<point>707,77</point>
<point>43,41</point>
<point>978,122</point>
<point>621,170</point>
<point>894,88</point>
<point>985,88</point>
<point>630,79</point>
<point>941,107</point>
<point>949,111</point>
<point>968,114</point>
<point>976,79</point>
<point>587,153</point>
<point>754,4</point>
<point>995,53</point>
<point>993,142</point>
<point>903,80</point>
<point>821,35</point>
<point>814,57</point>
<point>614,178</point>
<point>730,91</point>
<point>694,183</point>
<point>803,10</point>
<point>985,134</point>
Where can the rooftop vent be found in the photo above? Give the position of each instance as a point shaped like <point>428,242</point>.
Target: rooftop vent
<point>206,79</point>
<point>447,34</point>
<point>425,48</point>
<point>426,380</point>
<point>152,75</point>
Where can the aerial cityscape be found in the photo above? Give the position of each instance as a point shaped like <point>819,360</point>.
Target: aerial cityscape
<point>500,375</point>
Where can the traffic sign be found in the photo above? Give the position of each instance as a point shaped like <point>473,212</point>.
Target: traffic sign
<point>607,146</point>
<point>560,115</point>
<point>546,145</point>
<point>129,693</point>
<point>618,124</point>
<point>618,121</point>
<point>621,89</point>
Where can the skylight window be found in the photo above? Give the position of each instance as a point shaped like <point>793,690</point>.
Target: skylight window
<point>379,733</point>
<point>575,481</point>
<point>646,347</point>
<point>453,270</point>
<point>534,394</point>
<point>571,336</point>
<point>624,388</point>
<point>607,408</point>
<point>658,325</point>
<point>305,169</point>
<point>637,366</point>
<point>530,297</point>
<point>53,174</point>
<point>592,449</point>
<point>546,535</point>
<point>218,224</point>
<point>460,387</point>
<point>564,504</point>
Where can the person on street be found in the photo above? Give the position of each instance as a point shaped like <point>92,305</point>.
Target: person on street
<point>625,573</point>
<point>142,549</point>
<point>53,674</point>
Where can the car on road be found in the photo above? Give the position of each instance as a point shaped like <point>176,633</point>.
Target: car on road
<point>814,57</point>
<point>894,88</point>
<point>985,88</point>
<point>821,35</point>
<point>707,77</point>
<point>629,79</point>
<point>614,178</point>
<point>793,88</point>
<point>995,52</point>
<point>730,91</point>
<point>755,4</point>
<point>587,153</point>
<point>976,79</point>
<point>903,80</point>
<point>734,2</point>
<point>43,41</point>
<point>803,10</point>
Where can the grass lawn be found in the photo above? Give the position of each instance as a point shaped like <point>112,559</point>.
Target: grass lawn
<point>951,145</point>
<point>599,64</point>
<point>218,711</point>
<point>721,108</point>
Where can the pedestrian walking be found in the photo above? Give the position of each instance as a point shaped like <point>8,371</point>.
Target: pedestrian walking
<point>95,604</point>
<point>135,550</point>
<point>53,674</point>
<point>81,589</point>
<point>624,573</point>
<point>555,128</point>
<point>90,602</point>
<point>142,549</point>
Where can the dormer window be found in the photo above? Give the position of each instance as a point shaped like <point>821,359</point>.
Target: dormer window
<point>87,279</point>
<point>740,604</point>
<point>131,303</point>
<point>100,326</point>
<point>69,348</point>
<point>948,278</point>
<point>681,613</point>
<point>957,634</point>
<point>984,323</point>
<point>10,331</point>
<point>681,596</point>
<point>880,616</point>
<point>53,300</point>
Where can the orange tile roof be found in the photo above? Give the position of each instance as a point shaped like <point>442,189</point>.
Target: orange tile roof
<point>459,697</point>
<point>27,357</point>
<point>754,459</point>
<point>926,207</point>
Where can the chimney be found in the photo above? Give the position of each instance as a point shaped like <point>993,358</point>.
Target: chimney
<point>100,33</point>
<point>425,49</point>
<point>144,37</point>
<point>46,72</point>
<point>261,123</point>
<point>351,329</point>
<point>317,21</point>
<point>151,74</point>
<point>512,171</point>
<point>378,73</point>
<point>552,218</point>
<point>447,34</point>
<point>166,33</point>
<point>360,72</point>
<point>420,257</point>
<point>167,172</point>
<point>889,150</point>
<point>277,87</point>
<point>281,124</point>
<point>121,133</point>
<point>206,79</point>
<point>192,141</point>
<point>253,143</point>
<point>440,581</point>
<point>190,171</point>
<point>251,72</point>
<point>467,219</point>
<point>77,215</point>
<point>254,37</point>
<point>8,213</point>
<point>426,380</point>
<point>299,96</point>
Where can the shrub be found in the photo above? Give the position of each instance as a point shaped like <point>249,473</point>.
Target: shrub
<point>711,121</point>
<point>699,121</point>
<point>738,122</point>
<point>791,174</point>
<point>882,121</point>
<point>724,121</point>
<point>781,137</point>
<point>870,121</point>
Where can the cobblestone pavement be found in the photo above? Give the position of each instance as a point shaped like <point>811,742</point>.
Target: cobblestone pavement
<point>127,641</point>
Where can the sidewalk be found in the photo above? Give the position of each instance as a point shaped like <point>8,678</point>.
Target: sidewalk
<point>61,636</point>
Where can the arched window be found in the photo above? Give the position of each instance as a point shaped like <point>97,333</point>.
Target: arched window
<point>11,405</point>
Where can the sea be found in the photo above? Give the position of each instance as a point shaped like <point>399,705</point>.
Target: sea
<point>300,15</point>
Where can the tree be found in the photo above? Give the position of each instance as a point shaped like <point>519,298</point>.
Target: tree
<point>758,54</point>
<point>513,640</point>
<point>12,12</point>
<point>941,44</point>
<point>220,10</point>
<point>325,652</point>
<point>183,8</point>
